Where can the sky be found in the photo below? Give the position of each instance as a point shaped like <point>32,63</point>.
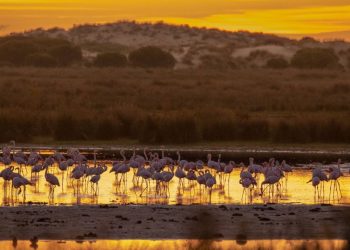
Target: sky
<point>301,17</point>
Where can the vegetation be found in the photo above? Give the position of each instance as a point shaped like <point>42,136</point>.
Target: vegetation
<point>38,51</point>
<point>66,54</point>
<point>277,63</point>
<point>110,60</point>
<point>41,60</point>
<point>315,58</point>
<point>151,57</point>
<point>165,106</point>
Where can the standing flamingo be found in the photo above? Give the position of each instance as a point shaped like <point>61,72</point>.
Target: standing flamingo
<point>53,182</point>
<point>334,175</point>
<point>94,181</point>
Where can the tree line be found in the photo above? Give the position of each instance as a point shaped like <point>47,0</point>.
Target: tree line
<point>54,52</point>
<point>51,52</point>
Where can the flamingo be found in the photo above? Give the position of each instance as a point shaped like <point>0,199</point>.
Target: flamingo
<point>228,170</point>
<point>209,183</point>
<point>167,177</point>
<point>94,181</point>
<point>53,182</point>
<point>36,169</point>
<point>246,184</point>
<point>270,181</point>
<point>318,172</point>
<point>77,173</point>
<point>201,180</point>
<point>315,182</point>
<point>18,182</point>
<point>180,174</point>
<point>19,159</point>
<point>145,174</point>
<point>334,175</point>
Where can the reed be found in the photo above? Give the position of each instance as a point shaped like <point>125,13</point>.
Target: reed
<point>181,106</point>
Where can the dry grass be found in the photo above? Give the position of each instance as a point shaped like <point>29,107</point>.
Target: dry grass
<point>174,106</point>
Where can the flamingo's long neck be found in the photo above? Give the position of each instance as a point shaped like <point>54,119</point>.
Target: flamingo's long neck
<point>145,154</point>
<point>209,157</point>
<point>95,158</point>
<point>242,169</point>
<point>124,158</point>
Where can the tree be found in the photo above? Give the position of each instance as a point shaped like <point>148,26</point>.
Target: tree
<point>41,60</point>
<point>152,57</point>
<point>277,63</point>
<point>315,58</point>
<point>111,59</point>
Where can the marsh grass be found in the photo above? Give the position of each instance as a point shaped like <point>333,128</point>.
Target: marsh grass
<point>166,106</point>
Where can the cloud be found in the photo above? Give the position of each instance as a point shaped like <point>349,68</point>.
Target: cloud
<point>273,16</point>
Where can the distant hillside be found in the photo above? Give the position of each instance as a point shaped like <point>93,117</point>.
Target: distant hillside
<point>192,47</point>
<point>327,36</point>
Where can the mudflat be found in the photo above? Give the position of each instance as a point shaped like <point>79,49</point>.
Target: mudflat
<point>240,222</point>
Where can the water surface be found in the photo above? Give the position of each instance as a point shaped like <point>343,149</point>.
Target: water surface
<point>295,190</point>
<point>177,244</point>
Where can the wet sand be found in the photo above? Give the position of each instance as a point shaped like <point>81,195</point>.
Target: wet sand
<point>238,222</point>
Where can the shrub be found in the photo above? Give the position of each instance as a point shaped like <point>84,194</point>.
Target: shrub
<point>41,60</point>
<point>217,62</point>
<point>277,63</point>
<point>15,52</point>
<point>66,54</point>
<point>152,57</point>
<point>110,60</point>
<point>315,58</point>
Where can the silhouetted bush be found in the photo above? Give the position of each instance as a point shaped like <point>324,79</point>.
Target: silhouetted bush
<point>111,59</point>
<point>152,57</point>
<point>217,62</point>
<point>16,52</point>
<point>277,63</point>
<point>315,58</point>
<point>66,54</point>
<point>41,60</point>
<point>35,51</point>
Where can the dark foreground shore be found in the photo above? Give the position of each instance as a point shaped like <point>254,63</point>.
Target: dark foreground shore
<point>176,222</point>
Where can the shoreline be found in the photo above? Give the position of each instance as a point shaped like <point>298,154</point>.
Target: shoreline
<point>292,153</point>
<point>221,222</point>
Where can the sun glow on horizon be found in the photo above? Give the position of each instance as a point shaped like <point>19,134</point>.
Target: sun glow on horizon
<point>269,16</point>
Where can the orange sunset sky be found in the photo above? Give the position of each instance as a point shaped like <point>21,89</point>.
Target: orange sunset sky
<point>301,17</point>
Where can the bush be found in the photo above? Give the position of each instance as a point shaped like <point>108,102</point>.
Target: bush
<point>41,60</point>
<point>15,52</point>
<point>152,57</point>
<point>217,62</point>
<point>19,51</point>
<point>277,63</point>
<point>315,58</point>
<point>66,54</point>
<point>110,60</point>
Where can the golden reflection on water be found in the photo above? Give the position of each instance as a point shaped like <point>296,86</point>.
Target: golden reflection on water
<point>295,190</point>
<point>178,244</point>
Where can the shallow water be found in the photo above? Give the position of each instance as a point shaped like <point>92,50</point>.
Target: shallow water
<point>177,244</point>
<point>295,190</point>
